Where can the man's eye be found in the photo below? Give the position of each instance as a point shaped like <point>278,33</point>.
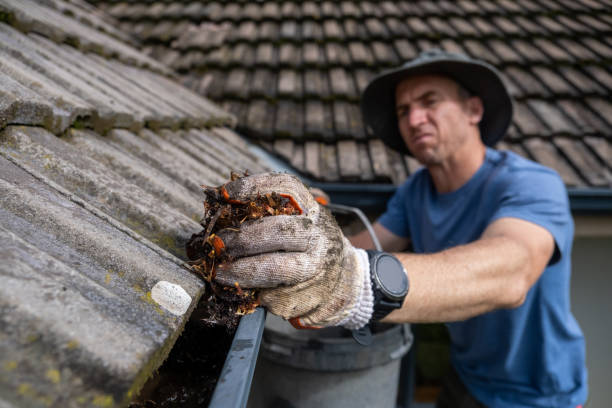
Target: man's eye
<point>430,101</point>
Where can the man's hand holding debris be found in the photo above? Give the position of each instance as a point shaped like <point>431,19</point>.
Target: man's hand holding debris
<point>303,266</point>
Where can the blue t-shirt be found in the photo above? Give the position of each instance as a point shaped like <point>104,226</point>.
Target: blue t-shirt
<point>530,356</point>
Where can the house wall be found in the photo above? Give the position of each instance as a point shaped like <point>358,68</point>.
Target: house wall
<point>592,300</point>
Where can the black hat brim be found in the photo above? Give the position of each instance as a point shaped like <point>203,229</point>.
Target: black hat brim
<point>478,78</point>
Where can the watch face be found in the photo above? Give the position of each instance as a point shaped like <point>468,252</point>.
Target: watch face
<point>391,276</point>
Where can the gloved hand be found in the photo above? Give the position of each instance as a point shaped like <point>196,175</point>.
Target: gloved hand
<point>305,268</point>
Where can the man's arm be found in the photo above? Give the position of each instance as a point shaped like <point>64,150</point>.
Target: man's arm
<point>388,240</point>
<point>494,272</point>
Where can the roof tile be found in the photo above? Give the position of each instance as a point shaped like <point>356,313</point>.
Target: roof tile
<point>581,158</point>
<point>263,84</point>
<point>316,84</point>
<point>289,84</point>
<point>289,120</point>
<point>337,55</point>
<point>348,159</point>
<point>546,154</point>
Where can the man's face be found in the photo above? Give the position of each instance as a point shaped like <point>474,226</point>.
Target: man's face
<point>433,118</point>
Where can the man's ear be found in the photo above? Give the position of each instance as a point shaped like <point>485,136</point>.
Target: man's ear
<point>475,109</point>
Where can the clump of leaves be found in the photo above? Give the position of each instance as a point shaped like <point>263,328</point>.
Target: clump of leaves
<point>206,250</point>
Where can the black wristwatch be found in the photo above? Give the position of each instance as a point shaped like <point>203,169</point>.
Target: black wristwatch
<point>389,286</point>
<point>389,283</point>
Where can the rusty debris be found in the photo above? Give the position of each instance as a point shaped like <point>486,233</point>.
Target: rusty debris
<point>206,250</point>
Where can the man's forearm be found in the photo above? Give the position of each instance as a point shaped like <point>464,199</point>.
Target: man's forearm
<point>464,281</point>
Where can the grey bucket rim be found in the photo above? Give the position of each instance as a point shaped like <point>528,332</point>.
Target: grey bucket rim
<point>478,77</point>
<point>306,353</point>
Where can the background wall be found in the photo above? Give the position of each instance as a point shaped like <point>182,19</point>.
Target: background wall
<point>592,306</point>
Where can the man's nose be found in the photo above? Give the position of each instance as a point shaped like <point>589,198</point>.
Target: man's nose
<point>417,117</point>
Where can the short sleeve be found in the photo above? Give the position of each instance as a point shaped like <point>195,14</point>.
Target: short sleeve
<point>538,195</point>
<point>395,218</point>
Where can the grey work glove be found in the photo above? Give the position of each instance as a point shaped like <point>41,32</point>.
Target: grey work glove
<point>306,270</point>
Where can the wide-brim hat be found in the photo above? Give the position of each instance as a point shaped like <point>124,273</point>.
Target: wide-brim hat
<point>477,77</point>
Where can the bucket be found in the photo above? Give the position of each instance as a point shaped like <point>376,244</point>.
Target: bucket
<point>327,368</point>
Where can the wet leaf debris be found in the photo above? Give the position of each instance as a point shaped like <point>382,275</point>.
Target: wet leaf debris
<point>206,250</point>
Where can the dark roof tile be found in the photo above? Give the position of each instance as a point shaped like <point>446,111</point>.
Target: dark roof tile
<point>529,52</point>
<point>602,148</point>
<point>342,83</point>
<point>355,30</point>
<point>333,30</point>
<point>603,108</point>
<point>529,26</point>
<point>599,47</point>
<point>360,54</point>
<point>546,154</point>
<point>601,75</point>
<point>290,10</point>
<point>452,46</point>
<point>418,26</point>
<point>310,9</point>
<point>578,51</point>
<point>337,55</point>
<point>584,118</point>
<point>553,51</point>
<point>380,159</point>
<point>290,31</point>
<point>464,27</point>
<point>330,9</point>
<point>554,119</point>
<point>441,27</point>
<point>312,31</point>
<point>289,55</point>
<point>365,164</point>
<point>290,84</point>
<point>396,27</point>
<point>260,115</point>
<point>507,54</point>
<point>376,29</point>
<point>235,84</point>
<point>483,25</point>
<point>318,121</point>
<point>263,83</point>
<point>348,159</point>
<point>405,49</point>
<point>581,158</point>
<point>265,55</point>
<point>349,9</point>
<point>384,54</point>
<point>316,84</point>
<point>289,120</point>
<point>553,81</point>
<point>390,8</point>
<point>268,31</point>
<point>312,158</point>
<point>312,55</point>
<point>369,9</point>
<point>581,82</point>
<point>526,122</point>
<point>271,10</point>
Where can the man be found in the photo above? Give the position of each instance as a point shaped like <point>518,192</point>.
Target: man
<point>491,232</point>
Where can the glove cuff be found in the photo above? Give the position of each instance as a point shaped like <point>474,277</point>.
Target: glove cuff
<point>361,313</point>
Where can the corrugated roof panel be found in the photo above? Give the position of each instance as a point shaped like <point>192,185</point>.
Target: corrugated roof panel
<point>83,317</point>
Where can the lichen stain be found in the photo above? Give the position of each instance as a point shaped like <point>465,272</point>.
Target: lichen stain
<point>148,299</point>
<point>53,376</point>
<point>103,401</point>
<point>10,365</point>
<point>72,344</point>
<point>24,389</point>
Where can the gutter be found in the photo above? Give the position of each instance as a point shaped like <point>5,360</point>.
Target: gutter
<point>373,197</point>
